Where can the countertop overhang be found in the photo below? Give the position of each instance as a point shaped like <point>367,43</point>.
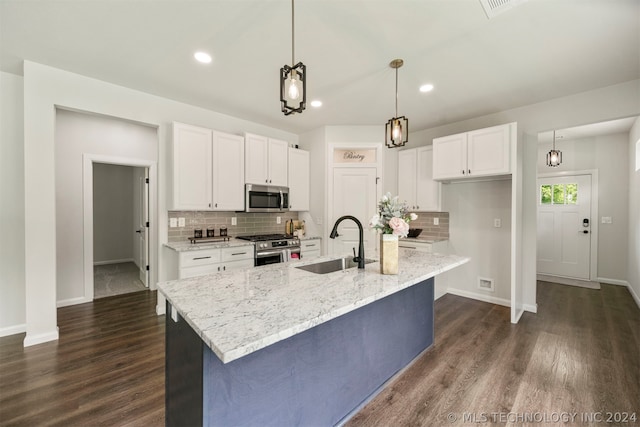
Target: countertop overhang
<point>239,312</point>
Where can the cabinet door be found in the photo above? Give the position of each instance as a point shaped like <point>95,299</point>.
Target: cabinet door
<point>427,190</point>
<point>228,172</point>
<point>278,155</point>
<point>298,180</point>
<point>407,177</point>
<point>191,148</point>
<point>256,159</point>
<point>488,151</point>
<point>450,156</point>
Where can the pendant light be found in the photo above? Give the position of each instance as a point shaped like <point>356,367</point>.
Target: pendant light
<point>293,80</point>
<point>554,157</point>
<point>396,132</point>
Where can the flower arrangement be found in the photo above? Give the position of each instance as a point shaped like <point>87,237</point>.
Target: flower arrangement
<point>393,217</point>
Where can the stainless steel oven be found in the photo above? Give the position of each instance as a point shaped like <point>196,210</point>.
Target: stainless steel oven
<point>263,198</point>
<point>274,248</point>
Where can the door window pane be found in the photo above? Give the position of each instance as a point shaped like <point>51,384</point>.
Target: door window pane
<point>558,194</point>
<point>572,194</point>
<point>545,194</point>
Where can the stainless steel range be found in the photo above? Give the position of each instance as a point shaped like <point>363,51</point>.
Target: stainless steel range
<point>274,248</point>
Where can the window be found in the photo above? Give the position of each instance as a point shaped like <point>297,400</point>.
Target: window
<point>559,194</point>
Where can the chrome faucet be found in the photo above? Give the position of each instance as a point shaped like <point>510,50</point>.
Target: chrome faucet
<point>334,233</point>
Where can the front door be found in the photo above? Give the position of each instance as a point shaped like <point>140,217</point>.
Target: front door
<point>354,193</point>
<point>564,226</point>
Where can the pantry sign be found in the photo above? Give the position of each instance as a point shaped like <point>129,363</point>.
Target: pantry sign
<point>354,156</point>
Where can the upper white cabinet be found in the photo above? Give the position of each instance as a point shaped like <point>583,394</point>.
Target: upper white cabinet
<point>192,166</point>
<point>228,172</point>
<point>475,154</point>
<point>415,179</point>
<point>298,180</point>
<point>208,169</point>
<point>265,160</point>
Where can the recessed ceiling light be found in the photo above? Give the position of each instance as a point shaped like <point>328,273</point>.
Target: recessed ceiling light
<point>203,57</point>
<point>316,103</point>
<point>426,88</point>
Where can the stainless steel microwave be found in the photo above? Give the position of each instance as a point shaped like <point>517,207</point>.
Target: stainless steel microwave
<point>263,198</point>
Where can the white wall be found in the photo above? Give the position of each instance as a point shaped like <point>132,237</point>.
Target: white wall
<point>608,154</point>
<point>47,87</point>
<point>12,292</point>
<point>113,212</point>
<point>593,106</point>
<point>633,257</point>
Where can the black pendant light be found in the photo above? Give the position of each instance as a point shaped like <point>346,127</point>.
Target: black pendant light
<point>554,157</point>
<point>396,132</point>
<point>293,80</point>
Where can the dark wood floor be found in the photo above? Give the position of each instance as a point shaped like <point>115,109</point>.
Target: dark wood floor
<point>580,353</point>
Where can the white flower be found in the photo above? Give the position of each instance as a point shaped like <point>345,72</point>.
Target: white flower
<point>374,221</point>
<point>413,216</point>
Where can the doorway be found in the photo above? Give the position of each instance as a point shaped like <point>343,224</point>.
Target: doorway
<point>120,217</point>
<point>565,226</point>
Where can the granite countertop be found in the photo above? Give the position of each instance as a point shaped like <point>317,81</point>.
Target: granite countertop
<point>424,239</point>
<point>188,246</point>
<point>239,312</point>
<point>311,238</point>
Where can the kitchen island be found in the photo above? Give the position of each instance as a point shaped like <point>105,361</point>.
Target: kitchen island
<point>277,345</point>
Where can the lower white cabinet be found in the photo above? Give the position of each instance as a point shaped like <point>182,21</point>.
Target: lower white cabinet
<point>198,262</point>
<point>310,248</point>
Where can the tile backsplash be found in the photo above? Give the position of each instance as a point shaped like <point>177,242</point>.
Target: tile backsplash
<point>248,223</point>
<point>429,230</point>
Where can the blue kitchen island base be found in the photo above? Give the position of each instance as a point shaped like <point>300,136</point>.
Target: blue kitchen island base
<point>314,378</point>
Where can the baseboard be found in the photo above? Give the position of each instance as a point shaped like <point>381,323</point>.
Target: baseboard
<point>12,330</point>
<point>613,281</point>
<point>72,301</point>
<point>113,261</point>
<point>634,294</point>
<point>30,340</point>
<point>531,308</point>
<point>479,297</point>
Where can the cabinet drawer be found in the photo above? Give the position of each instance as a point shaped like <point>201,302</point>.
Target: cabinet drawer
<point>237,253</point>
<point>198,270</point>
<point>237,265</point>
<point>417,246</point>
<point>198,258</point>
<point>308,254</point>
<point>310,245</point>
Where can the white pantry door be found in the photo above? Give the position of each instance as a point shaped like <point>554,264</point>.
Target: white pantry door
<point>143,228</point>
<point>564,226</point>
<point>354,193</point>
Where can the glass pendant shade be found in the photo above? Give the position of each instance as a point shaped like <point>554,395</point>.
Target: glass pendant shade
<point>293,85</point>
<point>396,132</point>
<point>554,157</point>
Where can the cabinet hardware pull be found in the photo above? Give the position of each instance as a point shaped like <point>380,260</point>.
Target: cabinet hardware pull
<point>310,246</point>
<point>201,257</point>
<point>417,207</point>
<point>239,253</point>
<point>224,267</point>
<point>469,171</point>
<point>216,205</point>
<point>209,204</point>
<point>463,172</point>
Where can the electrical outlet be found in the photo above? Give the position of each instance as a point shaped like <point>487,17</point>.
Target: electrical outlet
<point>436,221</point>
<point>497,223</point>
<point>278,220</point>
<point>606,220</point>
<point>234,220</point>
<point>173,222</point>
<point>181,222</point>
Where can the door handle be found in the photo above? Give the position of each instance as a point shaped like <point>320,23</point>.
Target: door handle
<point>583,231</point>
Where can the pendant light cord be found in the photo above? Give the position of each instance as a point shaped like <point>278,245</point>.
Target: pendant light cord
<point>396,92</point>
<point>293,37</point>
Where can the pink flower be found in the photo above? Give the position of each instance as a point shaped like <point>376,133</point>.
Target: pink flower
<point>399,226</point>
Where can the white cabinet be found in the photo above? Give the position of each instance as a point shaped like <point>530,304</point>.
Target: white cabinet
<point>475,154</point>
<point>310,248</point>
<point>415,180</point>
<point>192,157</point>
<point>228,172</point>
<point>424,246</point>
<point>199,262</point>
<point>208,169</point>
<point>265,160</point>
<point>298,180</point>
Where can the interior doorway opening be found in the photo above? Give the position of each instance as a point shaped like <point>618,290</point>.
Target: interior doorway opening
<point>120,236</point>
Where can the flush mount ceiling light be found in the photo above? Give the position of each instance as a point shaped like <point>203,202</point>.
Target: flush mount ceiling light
<point>426,88</point>
<point>315,103</point>
<point>554,157</point>
<point>293,80</point>
<point>396,132</point>
<point>203,57</point>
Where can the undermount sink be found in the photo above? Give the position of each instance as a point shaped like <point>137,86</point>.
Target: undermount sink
<point>332,265</point>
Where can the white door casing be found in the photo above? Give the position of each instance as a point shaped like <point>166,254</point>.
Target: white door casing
<point>565,227</point>
<point>143,229</point>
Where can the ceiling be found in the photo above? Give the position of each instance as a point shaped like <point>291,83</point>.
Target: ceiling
<point>609,127</point>
<point>539,50</point>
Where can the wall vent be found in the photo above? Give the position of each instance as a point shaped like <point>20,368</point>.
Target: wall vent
<point>495,7</point>
<point>485,284</point>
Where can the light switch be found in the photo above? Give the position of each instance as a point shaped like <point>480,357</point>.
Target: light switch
<point>278,220</point>
<point>436,221</point>
<point>181,222</point>
<point>497,223</point>
<point>606,220</point>
<point>234,220</point>
<point>173,222</point>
